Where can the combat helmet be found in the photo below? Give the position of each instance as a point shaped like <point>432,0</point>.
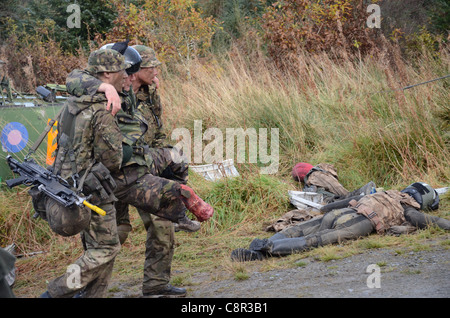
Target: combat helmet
<point>148,56</point>
<point>106,60</point>
<point>131,55</point>
<point>66,221</point>
<point>424,194</point>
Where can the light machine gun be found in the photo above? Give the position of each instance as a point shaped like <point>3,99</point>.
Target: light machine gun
<point>52,185</point>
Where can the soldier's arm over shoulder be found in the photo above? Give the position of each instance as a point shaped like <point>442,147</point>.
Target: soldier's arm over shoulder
<point>81,82</point>
<point>107,140</point>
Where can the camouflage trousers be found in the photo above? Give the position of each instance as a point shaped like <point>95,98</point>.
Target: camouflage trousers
<point>334,227</point>
<point>144,188</point>
<point>159,247</point>
<point>92,271</point>
<point>168,163</point>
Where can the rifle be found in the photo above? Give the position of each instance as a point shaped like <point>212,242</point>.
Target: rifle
<point>52,185</point>
<point>340,204</point>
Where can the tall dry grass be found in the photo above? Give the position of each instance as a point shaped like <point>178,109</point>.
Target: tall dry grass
<point>350,113</point>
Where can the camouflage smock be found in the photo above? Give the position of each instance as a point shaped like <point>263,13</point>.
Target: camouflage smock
<point>324,175</point>
<point>149,104</point>
<point>384,209</point>
<point>96,136</point>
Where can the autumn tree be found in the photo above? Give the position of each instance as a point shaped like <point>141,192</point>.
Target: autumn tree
<point>174,28</point>
<point>339,26</point>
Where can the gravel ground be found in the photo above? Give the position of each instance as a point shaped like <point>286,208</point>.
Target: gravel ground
<point>416,274</point>
<point>419,274</point>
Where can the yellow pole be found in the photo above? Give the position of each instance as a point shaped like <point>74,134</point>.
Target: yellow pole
<point>94,208</point>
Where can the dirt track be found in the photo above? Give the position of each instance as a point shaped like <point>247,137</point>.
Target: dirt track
<point>417,274</point>
<point>420,274</point>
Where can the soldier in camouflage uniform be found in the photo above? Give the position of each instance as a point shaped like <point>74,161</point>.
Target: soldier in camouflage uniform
<point>161,238</point>
<point>378,212</point>
<point>161,162</point>
<point>145,85</point>
<point>92,136</point>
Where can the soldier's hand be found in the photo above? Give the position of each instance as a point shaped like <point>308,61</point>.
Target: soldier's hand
<point>112,96</point>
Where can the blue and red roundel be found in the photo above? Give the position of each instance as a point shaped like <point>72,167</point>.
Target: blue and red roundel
<point>14,137</point>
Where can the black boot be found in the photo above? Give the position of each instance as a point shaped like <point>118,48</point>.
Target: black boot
<point>258,249</point>
<point>288,246</point>
<point>279,247</point>
<point>261,245</point>
<point>265,245</point>
<point>167,291</point>
<point>245,255</point>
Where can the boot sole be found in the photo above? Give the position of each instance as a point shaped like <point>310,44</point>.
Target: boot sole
<point>164,296</point>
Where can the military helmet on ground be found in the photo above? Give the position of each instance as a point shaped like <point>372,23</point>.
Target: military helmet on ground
<point>106,60</point>
<point>424,194</point>
<point>148,56</point>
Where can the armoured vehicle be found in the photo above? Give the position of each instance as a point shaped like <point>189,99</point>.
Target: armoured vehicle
<point>23,117</point>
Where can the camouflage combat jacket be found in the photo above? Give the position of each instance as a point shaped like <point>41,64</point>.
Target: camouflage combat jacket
<point>149,104</point>
<point>133,125</point>
<point>134,128</point>
<point>324,175</point>
<point>147,101</point>
<point>95,136</point>
<point>384,209</point>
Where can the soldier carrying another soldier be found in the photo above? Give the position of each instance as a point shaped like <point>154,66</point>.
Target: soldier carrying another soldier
<point>90,140</point>
<point>91,157</point>
<point>141,113</point>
